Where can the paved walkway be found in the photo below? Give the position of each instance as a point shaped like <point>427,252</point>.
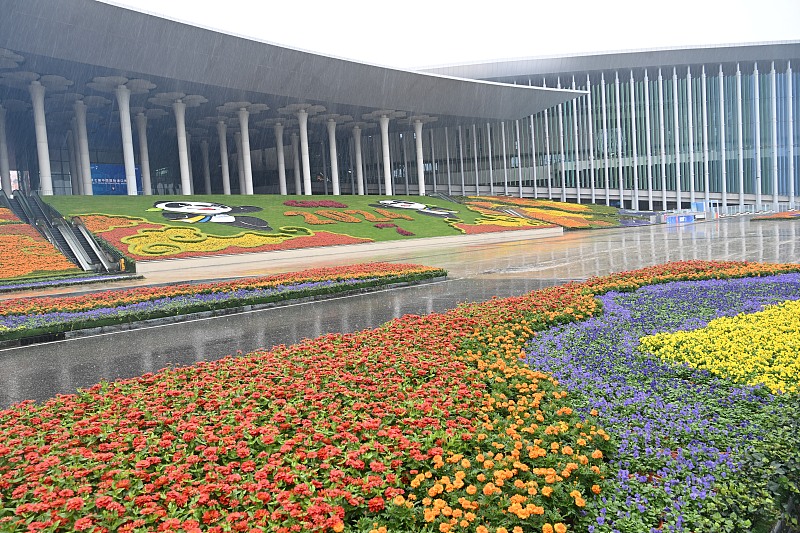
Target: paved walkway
<point>212,267</point>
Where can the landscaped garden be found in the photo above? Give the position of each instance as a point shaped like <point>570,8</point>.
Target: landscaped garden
<point>541,413</point>
<point>28,317</point>
<point>173,227</point>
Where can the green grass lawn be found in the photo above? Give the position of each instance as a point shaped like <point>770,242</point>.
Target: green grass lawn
<point>273,211</point>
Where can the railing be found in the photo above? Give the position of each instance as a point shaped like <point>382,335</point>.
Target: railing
<point>750,209</point>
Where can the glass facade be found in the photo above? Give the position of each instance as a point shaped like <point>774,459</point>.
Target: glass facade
<point>646,139</point>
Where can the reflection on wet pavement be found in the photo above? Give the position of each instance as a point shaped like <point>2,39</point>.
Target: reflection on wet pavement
<point>477,273</point>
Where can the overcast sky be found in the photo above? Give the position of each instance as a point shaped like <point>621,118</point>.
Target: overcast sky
<point>417,33</point>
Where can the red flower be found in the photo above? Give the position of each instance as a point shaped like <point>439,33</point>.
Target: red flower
<point>82,524</point>
<point>75,504</point>
<point>376,504</point>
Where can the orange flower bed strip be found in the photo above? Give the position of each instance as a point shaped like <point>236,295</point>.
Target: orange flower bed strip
<point>785,215</point>
<point>7,216</point>
<point>25,253</point>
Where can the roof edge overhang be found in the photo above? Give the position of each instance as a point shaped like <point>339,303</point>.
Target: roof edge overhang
<point>126,42</point>
<point>623,60</point>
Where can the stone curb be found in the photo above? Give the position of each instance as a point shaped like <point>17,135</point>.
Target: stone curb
<point>176,319</point>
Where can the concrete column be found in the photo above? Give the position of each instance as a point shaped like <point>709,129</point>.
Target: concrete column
<point>298,188</point>
<point>634,152</point>
<point>144,153</point>
<point>740,134</point>
<point>5,170</point>
<point>302,118</point>
<point>447,155</point>
<point>757,122</point>
<point>183,151</point>
<point>387,162</point>
<point>519,157</point>
<point>662,140</point>
<point>359,162</point>
<point>677,137</point>
<point>689,112</point>
<point>281,162</point>
<point>420,162</point>
<point>790,123</point>
<point>505,161</point>
<point>560,148</point>
<point>403,141</point>
<point>324,166</point>
<point>590,127</point>
<point>191,166</point>
<point>648,142</point>
<point>461,161</point>
<point>489,146</point>
<point>206,169</point>
<point>83,146</point>
<point>576,164</point>
<point>76,143</point>
<point>475,162</point>
<point>547,154</point>
<point>331,124</point>
<point>240,162</point>
<point>73,166</point>
<point>723,162</point>
<point>620,177</point>
<point>433,160</point>
<point>774,102</point>
<point>706,170</point>
<point>124,102</point>
<point>605,138</point>
<point>222,133</point>
<point>42,149</point>
<point>244,119</point>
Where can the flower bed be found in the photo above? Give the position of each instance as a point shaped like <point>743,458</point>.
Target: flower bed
<point>696,452</point>
<point>24,253</point>
<point>425,424</point>
<point>24,317</point>
<point>784,215</point>
<point>7,216</point>
<point>756,349</point>
<point>567,215</point>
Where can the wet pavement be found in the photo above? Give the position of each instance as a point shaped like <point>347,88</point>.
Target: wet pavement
<point>478,271</point>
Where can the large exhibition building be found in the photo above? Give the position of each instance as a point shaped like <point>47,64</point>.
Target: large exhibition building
<point>98,99</point>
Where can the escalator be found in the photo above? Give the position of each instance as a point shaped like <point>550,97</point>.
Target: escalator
<point>445,197</point>
<point>16,207</point>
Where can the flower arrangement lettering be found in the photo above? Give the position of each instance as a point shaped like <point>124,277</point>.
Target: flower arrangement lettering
<point>338,216</point>
<point>369,217</point>
<point>310,218</point>
<point>315,203</point>
<point>397,228</point>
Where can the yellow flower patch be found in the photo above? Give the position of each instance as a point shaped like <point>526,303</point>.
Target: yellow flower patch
<point>757,349</point>
<point>173,240</point>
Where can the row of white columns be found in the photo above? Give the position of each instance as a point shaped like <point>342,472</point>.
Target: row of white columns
<point>80,160</point>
